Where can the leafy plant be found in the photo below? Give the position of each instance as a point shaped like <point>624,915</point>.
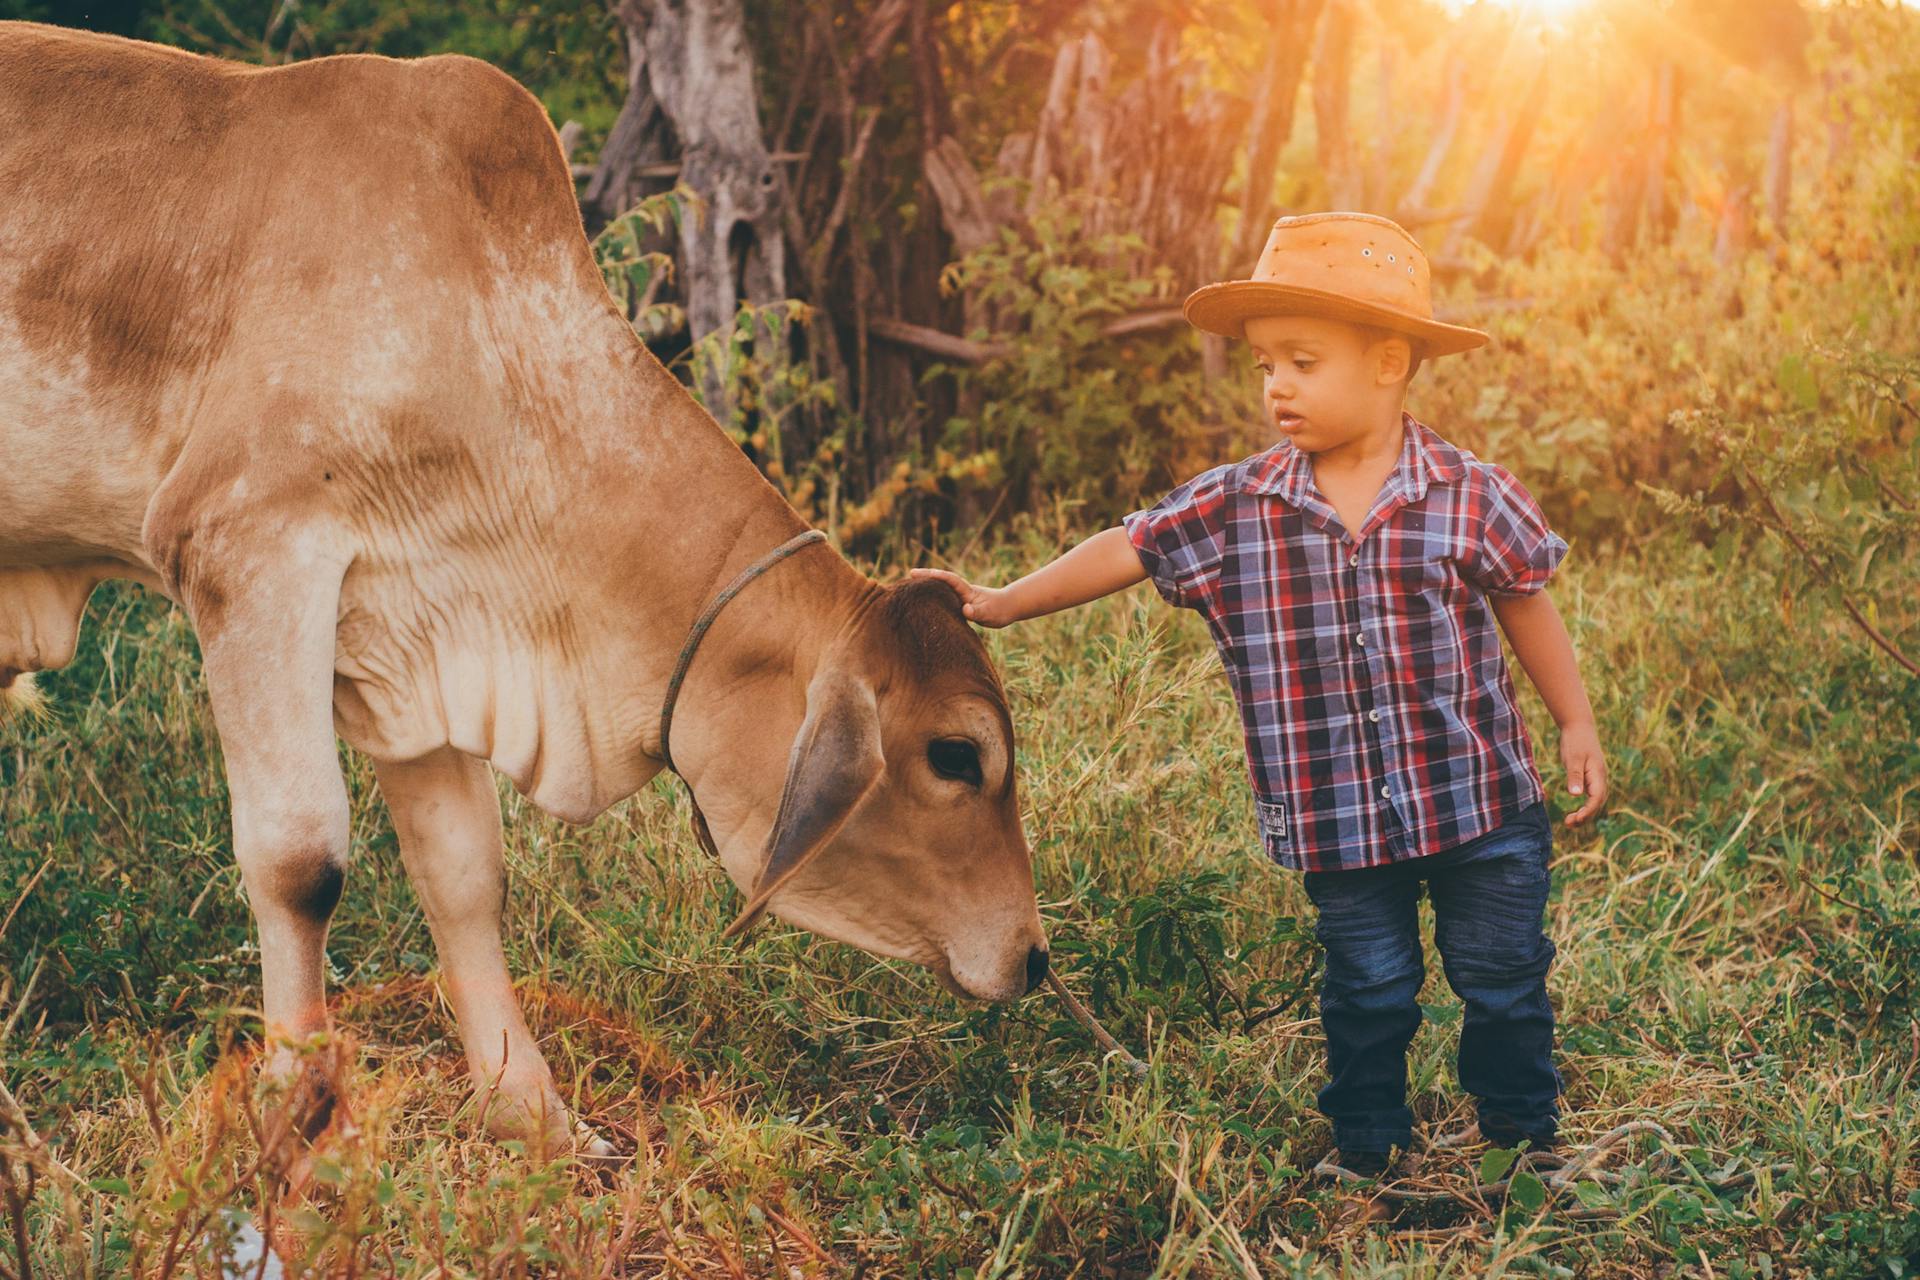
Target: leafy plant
<point>1831,479</point>
<point>1068,408</point>
<point>635,273</point>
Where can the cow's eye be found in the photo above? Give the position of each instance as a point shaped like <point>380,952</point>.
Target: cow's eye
<point>955,758</point>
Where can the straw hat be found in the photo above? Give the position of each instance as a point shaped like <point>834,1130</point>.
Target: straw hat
<point>1356,267</point>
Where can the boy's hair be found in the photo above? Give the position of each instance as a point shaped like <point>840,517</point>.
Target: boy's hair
<point>1372,333</point>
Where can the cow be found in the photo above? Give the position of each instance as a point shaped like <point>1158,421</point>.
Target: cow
<point>321,352</point>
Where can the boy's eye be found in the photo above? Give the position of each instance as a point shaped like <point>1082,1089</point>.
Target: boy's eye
<point>1303,365</point>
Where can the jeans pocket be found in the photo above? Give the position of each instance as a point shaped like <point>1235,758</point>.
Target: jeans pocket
<point>1537,819</point>
<point>1526,837</point>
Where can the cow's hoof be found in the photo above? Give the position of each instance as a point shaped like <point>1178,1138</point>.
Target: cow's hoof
<point>591,1146</point>
<point>597,1155</point>
<point>549,1128</point>
<point>295,1122</point>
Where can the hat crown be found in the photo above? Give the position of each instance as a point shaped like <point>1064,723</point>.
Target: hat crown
<point>1359,268</point>
<point>1361,256</point>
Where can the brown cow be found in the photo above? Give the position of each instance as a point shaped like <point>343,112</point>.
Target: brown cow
<point>321,352</point>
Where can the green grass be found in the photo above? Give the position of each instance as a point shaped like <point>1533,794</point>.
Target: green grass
<point>1739,938</point>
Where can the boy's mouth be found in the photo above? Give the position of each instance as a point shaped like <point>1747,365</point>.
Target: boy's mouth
<point>1290,421</point>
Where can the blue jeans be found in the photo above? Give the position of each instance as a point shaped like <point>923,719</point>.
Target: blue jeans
<point>1489,896</point>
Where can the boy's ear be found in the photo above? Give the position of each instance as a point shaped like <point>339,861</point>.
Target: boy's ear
<point>1396,359</point>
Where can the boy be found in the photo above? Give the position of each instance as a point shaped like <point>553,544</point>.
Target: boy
<point>1351,575</point>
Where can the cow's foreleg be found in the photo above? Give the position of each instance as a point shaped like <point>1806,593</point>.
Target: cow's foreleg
<point>267,640</point>
<point>447,815</point>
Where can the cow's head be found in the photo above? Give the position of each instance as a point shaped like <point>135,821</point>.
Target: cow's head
<point>898,829</point>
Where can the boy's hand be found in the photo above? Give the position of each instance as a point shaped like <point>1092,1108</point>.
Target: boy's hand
<point>984,605</point>
<point>1586,769</point>
<point>1104,563</point>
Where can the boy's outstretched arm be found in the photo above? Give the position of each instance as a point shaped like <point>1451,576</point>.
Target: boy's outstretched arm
<point>1101,565</point>
<point>1539,640</point>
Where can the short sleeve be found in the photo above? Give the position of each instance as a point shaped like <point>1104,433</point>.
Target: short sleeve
<point>1515,553</point>
<point>1180,538</point>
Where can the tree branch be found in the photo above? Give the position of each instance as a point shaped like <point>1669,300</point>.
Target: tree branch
<point>970,351</point>
<point>1786,530</point>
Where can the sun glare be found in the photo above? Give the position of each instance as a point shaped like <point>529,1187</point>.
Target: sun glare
<point>1552,10</point>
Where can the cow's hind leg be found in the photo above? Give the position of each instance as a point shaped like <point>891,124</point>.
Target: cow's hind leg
<point>267,641</point>
<point>447,815</point>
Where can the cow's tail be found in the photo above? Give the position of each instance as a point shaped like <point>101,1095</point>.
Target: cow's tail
<point>21,699</point>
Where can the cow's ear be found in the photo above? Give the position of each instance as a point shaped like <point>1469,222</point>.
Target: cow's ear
<point>836,761</point>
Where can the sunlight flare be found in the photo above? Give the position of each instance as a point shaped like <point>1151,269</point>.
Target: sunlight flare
<point>1556,11</point>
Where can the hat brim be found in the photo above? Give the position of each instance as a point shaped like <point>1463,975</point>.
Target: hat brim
<point>1225,309</point>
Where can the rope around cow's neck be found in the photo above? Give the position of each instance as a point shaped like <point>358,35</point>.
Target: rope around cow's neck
<point>702,623</point>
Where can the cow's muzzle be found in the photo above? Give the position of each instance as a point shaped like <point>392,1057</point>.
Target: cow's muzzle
<point>1036,968</point>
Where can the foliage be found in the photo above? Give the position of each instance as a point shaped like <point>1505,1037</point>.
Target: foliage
<point>1065,409</point>
<point>1592,355</point>
<point>1164,953</point>
<point>1832,478</point>
<point>567,54</point>
<point>634,271</point>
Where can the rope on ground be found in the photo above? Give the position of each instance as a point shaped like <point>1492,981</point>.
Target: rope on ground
<point>1558,1174</point>
<point>1092,1024</point>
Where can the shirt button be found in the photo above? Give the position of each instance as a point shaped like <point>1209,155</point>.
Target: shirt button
<point>1386,793</point>
<point>1353,559</point>
<point>1374,714</point>
<point>1359,637</point>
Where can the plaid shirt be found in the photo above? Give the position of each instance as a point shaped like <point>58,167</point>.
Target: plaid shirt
<point>1379,714</point>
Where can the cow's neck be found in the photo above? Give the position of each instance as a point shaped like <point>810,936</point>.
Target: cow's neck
<point>534,616</point>
<point>547,649</point>
<point>699,513</point>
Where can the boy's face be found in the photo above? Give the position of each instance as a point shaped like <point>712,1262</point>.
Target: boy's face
<point>1324,382</point>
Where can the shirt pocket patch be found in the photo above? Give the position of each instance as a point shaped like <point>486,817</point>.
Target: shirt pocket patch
<point>1273,820</point>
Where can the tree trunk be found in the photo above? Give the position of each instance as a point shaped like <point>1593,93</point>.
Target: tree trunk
<point>1290,36</point>
<point>640,137</point>
<point>1488,192</point>
<point>1376,191</point>
<point>1332,68</point>
<point>1420,195</point>
<point>1733,228</point>
<point>692,57</point>
<point>936,114</point>
<point>1662,126</point>
<point>1620,226</point>
<point>1779,180</point>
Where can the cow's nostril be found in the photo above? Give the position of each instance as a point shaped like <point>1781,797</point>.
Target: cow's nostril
<point>1036,967</point>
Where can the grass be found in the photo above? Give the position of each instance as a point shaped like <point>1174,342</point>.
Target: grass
<point>1739,937</point>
